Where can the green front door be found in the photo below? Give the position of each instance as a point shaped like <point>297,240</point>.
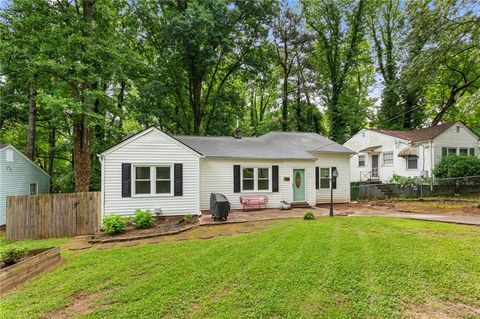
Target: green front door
<point>298,185</point>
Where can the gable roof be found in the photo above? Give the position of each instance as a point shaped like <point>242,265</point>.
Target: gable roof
<point>421,134</point>
<point>133,136</point>
<point>273,145</point>
<point>2,146</point>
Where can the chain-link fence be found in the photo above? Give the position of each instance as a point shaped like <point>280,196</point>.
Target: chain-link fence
<point>455,186</point>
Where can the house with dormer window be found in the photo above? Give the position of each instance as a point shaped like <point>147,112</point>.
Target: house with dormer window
<point>384,153</point>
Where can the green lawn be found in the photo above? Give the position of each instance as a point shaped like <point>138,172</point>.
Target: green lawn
<point>345,267</point>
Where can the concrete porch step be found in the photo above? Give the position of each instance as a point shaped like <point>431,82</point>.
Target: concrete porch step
<point>301,205</point>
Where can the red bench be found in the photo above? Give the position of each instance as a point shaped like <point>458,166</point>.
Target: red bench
<point>253,200</point>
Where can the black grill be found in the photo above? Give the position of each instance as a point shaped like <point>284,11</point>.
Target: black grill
<point>219,206</point>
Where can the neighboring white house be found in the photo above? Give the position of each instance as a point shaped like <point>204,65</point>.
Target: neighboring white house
<point>19,176</point>
<point>175,175</point>
<point>383,153</point>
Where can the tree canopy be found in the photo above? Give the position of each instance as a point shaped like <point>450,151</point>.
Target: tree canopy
<point>78,75</point>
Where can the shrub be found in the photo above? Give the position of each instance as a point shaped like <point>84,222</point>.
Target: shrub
<point>409,181</point>
<point>308,215</point>
<point>11,255</point>
<point>478,205</point>
<point>113,224</point>
<point>143,219</point>
<point>188,218</point>
<point>457,166</point>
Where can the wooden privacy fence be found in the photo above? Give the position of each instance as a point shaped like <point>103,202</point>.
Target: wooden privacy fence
<point>52,215</point>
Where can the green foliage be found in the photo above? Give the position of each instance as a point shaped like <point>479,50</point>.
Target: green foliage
<point>308,215</point>
<point>188,218</point>
<point>457,166</point>
<point>11,255</point>
<point>409,181</point>
<point>113,224</point>
<point>143,219</point>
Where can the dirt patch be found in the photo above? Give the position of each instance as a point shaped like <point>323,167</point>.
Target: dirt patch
<point>80,305</point>
<point>442,310</point>
<point>417,206</point>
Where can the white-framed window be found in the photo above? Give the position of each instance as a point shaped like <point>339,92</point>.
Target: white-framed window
<point>448,151</point>
<point>387,158</point>
<point>463,151</point>
<point>471,151</point>
<point>263,181</point>
<point>163,180</point>
<point>255,179</point>
<point>324,177</point>
<point>361,160</point>
<point>412,162</point>
<point>33,189</point>
<point>152,180</point>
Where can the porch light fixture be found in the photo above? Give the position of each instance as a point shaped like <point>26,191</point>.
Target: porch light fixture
<point>333,179</point>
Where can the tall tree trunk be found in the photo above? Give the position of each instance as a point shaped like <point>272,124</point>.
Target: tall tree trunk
<point>299,107</point>
<point>285,102</point>
<point>82,132</point>
<point>52,141</point>
<point>32,117</point>
<point>197,106</point>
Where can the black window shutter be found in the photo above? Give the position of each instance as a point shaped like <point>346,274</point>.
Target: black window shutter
<point>317,177</point>
<point>126,180</point>
<point>178,179</point>
<point>236,178</point>
<point>334,180</point>
<point>444,151</point>
<point>275,178</point>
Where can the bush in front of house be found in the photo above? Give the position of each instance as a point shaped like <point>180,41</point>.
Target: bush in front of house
<point>113,224</point>
<point>188,219</point>
<point>308,215</point>
<point>143,219</point>
<point>11,255</point>
<point>457,166</point>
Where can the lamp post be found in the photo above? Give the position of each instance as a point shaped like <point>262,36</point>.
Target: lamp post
<point>333,179</point>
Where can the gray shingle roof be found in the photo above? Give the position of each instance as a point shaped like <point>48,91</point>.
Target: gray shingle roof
<point>3,145</point>
<point>273,145</point>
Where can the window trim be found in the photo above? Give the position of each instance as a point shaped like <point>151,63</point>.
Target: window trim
<point>407,158</point>
<point>153,180</point>
<point>255,179</point>
<point>383,159</point>
<point>327,178</point>
<point>30,189</point>
<point>465,149</point>
<point>364,160</point>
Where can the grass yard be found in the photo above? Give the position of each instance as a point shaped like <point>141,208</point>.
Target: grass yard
<point>345,267</point>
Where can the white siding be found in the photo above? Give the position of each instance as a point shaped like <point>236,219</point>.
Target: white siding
<point>152,148</point>
<point>366,138</point>
<point>217,177</point>
<point>450,138</point>
<point>342,192</point>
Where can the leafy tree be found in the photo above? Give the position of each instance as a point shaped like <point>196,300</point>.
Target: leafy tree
<point>339,27</point>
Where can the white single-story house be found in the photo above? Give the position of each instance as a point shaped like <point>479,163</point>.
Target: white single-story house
<point>175,175</point>
<point>383,153</point>
<point>19,176</point>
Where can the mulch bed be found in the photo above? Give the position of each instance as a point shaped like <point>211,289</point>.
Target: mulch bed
<point>162,228</point>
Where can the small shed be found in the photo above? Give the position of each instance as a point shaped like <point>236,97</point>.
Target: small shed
<point>19,176</point>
